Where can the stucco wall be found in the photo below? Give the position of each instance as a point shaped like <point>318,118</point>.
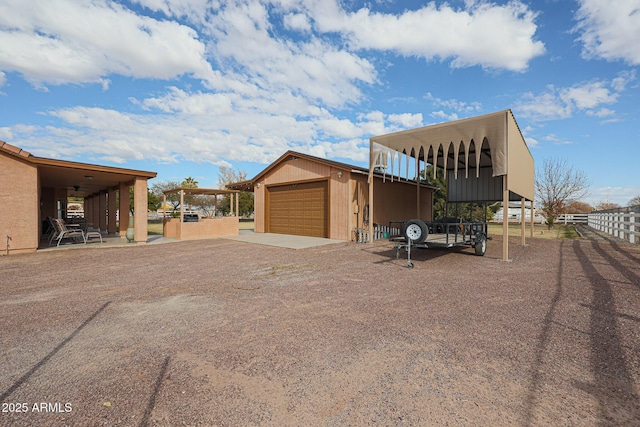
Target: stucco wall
<point>205,228</point>
<point>19,208</point>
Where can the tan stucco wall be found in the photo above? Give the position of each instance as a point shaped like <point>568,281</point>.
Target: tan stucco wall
<point>19,205</point>
<point>205,228</point>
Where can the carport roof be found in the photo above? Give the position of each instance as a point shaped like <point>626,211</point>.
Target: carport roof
<point>447,145</point>
<point>247,185</point>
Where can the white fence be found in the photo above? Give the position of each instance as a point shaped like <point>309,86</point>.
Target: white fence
<point>622,223</point>
<point>573,219</point>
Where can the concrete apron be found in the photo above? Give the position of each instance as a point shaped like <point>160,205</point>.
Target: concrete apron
<point>282,240</point>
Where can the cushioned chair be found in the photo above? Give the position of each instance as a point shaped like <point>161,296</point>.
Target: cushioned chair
<point>62,232</point>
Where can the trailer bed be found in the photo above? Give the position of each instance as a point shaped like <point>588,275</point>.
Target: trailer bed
<point>445,234</point>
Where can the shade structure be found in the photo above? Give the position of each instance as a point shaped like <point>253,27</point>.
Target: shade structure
<point>485,158</point>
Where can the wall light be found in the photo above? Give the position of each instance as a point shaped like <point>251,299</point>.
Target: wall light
<point>89,177</point>
<point>258,185</point>
<point>340,174</point>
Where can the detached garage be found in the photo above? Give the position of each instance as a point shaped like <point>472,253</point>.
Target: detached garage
<point>306,195</point>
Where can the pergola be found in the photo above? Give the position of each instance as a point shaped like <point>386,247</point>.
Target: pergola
<point>485,159</point>
<point>207,228</point>
<point>182,191</point>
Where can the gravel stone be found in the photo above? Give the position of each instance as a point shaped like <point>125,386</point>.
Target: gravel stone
<point>225,333</point>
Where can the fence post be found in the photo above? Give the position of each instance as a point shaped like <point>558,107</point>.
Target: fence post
<point>632,227</point>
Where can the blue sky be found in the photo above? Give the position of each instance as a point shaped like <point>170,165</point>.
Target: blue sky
<point>182,87</point>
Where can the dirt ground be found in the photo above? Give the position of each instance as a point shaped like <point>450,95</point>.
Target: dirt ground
<point>224,333</point>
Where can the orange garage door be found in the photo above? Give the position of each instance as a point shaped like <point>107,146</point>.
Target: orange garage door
<point>299,209</point>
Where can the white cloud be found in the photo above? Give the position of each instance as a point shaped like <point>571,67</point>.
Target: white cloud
<point>406,120</point>
<point>70,41</point>
<point>312,68</point>
<point>618,195</point>
<point>203,128</point>
<point>485,34</point>
<point>193,10</point>
<point>454,104</point>
<point>444,117</point>
<point>601,113</point>
<point>531,141</point>
<point>561,103</point>
<point>3,78</point>
<point>610,29</point>
<point>263,91</point>
<point>588,96</point>
<point>297,22</point>
<point>555,140</point>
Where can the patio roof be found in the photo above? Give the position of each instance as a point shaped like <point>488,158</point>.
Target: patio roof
<point>87,178</point>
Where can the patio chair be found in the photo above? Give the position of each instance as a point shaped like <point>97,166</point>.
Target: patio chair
<point>92,232</point>
<point>88,228</point>
<point>62,232</point>
<point>51,230</point>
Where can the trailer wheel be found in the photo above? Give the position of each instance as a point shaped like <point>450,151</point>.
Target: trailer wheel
<point>416,231</point>
<point>481,246</point>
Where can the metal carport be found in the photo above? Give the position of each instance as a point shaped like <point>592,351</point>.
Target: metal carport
<point>485,158</point>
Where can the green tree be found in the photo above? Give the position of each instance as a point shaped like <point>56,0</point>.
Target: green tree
<point>158,189</point>
<point>440,195</point>
<point>464,211</point>
<point>153,201</point>
<point>188,182</point>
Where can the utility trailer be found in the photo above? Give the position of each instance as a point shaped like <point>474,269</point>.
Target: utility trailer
<point>446,233</point>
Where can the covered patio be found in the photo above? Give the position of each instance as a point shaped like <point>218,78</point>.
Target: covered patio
<point>484,158</point>
<point>37,187</point>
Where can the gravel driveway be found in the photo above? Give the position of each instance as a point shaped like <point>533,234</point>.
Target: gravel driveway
<point>220,332</point>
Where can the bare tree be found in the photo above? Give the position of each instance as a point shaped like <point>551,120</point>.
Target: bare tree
<point>605,206</point>
<point>229,176</point>
<point>557,185</point>
<point>635,201</point>
<point>578,207</point>
<point>159,187</point>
